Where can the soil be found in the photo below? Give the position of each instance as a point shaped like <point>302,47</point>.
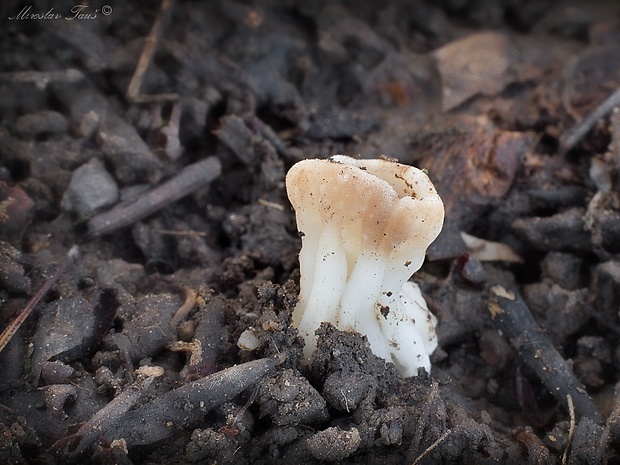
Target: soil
<point>156,138</point>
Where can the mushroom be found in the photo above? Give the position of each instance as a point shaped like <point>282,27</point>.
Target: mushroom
<point>365,227</point>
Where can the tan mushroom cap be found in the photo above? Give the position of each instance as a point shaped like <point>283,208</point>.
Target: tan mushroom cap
<point>388,206</point>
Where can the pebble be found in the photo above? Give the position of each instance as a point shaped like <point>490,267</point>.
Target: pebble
<point>91,189</point>
<point>334,444</point>
<point>41,124</point>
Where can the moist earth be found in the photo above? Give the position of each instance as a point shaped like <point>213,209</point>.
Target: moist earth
<point>156,137</point>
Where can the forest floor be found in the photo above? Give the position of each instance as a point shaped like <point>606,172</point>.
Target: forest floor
<point>156,138</point>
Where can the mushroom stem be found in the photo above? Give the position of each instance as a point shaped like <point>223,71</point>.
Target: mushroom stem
<point>405,326</point>
<point>357,307</point>
<point>323,301</point>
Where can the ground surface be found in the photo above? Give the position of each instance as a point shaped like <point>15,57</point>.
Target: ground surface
<point>177,307</point>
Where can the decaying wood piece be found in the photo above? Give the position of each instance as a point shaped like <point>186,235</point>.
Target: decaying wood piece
<point>180,408</point>
<point>12,328</point>
<point>192,177</point>
<point>512,316</point>
<point>575,134</point>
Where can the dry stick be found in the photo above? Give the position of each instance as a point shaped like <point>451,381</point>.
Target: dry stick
<point>274,205</point>
<point>133,90</point>
<point>192,177</point>
<point>512,316</point>
<point>237,418</point>
<point>12,328</point>
<point>432,446</point>
<point>42,78</point>
<point>182,408</point>
<point>187,233</point>
<point>572,137</point>
<point>602,444</point>
<point>429,402</point>
<point>571,431</point>
<point>105,419</point>
<point>268,133</point>
<point>186,308</point>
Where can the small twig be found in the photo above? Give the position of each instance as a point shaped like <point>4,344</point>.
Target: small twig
<point>574,135</point>
<point>42,78</point>
<point>171,232</point>
<point>423,418</point>
<point>571,430</point>
<point>267,203</point>
<point>512,316</point>
<point>275,345</point>
<point>245,407</point>
<point>9,410</point>
<point>168,414</point>
<point>150,45</point>
<point>105,418</point>
<point>432,446</point>
<point>12,328</point>
<point>183,311</point>
<point>173,148</point>
<point>192,177</point>
<point>268,133</point>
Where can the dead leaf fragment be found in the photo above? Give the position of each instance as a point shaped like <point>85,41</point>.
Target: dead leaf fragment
<point>481,63</point>
<point>489,251</point>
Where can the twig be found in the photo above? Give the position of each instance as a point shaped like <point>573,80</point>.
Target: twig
<point>183,311</point>
<point>237,418</point>
<point>12,328</point>
<point>192,177</point>
<point>191,233</point>
<point>571,430</point>
<point>42,78</point>
<point>424,416</point>
<point>173,148</point>
<point>150,45</point>
<point>572,137</point>
<point>168,415</point>
<point>104,419</point>
<point>268,133</point>
<point>274,205</point>
<point>512,316</point>
<point>432,446</point>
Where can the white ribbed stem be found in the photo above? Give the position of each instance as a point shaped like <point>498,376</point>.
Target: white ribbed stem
<point>357,311</point>
<point>330,274</point>
<point>310,225</point>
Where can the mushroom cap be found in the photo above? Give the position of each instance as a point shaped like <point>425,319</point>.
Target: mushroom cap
<point>384,206</point>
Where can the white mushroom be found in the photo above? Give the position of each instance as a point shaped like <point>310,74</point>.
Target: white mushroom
<point>365,226</point>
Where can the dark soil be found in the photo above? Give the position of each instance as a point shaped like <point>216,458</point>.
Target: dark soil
<point>168,338</point>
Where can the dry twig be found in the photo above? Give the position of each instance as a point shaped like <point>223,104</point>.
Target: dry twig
<point>429,402</point>
<point>133,90</point>
<point>104,419</point>
<point>12,328</point>
<point>571,431</point>
<point>429,449</point>
<point>192,177</point>
<point>574,135</point>
<point>512,316</point>
<point>42,78</point>
<point>186,308</point>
